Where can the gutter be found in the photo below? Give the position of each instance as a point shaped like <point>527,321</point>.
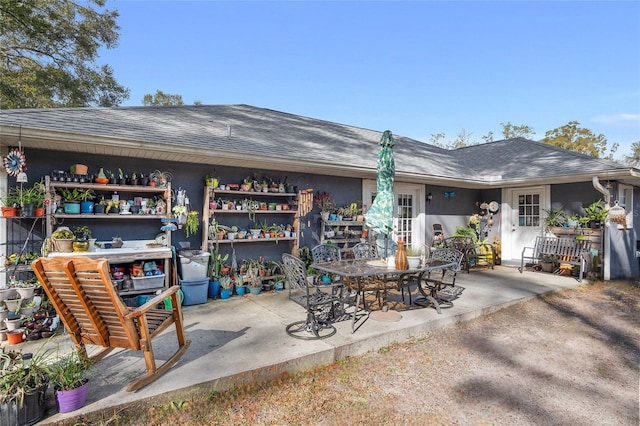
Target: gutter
<point>606,264</point>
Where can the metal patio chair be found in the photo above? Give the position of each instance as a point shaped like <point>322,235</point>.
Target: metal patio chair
<point>322,306</point>
<point>440,291</point>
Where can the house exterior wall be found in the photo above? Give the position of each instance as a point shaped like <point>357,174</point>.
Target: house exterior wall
<point>571,197</point>
<point>624,244</point>
<point>452,212</point>
<point>191,178</point>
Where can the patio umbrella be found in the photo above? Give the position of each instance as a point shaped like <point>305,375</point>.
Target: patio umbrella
<point>380,216</point>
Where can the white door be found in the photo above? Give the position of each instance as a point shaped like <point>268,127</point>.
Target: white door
<point>408,213</point>
<point>524,216</point>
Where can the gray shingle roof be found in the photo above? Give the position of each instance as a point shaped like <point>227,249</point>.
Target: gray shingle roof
<point>520,158</point>
<point>210,133</point>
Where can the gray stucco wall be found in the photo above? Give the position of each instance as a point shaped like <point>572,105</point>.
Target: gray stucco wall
<point>454,212</point>
<point>573,197</point>
<point>624,263</point>
<point>451,212</point>
<point>191,178</point>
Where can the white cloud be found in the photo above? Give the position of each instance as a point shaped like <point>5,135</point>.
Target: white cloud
<point>623,119</point>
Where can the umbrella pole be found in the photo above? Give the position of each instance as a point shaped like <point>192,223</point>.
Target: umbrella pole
<point>386,246</point>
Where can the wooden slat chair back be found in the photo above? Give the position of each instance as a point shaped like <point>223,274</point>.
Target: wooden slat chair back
<point>90,308</point>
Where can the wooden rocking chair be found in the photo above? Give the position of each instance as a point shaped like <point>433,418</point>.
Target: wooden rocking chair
<point>90,308</point>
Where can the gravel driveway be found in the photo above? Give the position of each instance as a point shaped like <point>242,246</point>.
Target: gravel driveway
<point>570,358</point>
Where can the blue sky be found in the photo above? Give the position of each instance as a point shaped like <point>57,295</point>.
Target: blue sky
<point>416,68</point>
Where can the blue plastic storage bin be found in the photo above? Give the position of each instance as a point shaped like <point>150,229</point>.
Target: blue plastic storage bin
<point>195,292</point>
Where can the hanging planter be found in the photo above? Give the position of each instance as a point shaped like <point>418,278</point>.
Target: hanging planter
<point>618,215</point>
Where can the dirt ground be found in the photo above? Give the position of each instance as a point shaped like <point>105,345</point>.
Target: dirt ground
<point>570,358</point>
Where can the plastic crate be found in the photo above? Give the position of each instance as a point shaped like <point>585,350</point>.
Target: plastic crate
<point>145,283</point>
<point>195,292</point>
<point>194,265</point>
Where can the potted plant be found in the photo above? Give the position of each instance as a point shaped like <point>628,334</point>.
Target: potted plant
<point>68,375</point>
<point>62,239</point>
<point>100,207</point>
<point>192,223</point>
<point>253,280</point>
<point>226,286</point>
<point>326,204</point>
<point>112,206</point>
<point>111,176</point>
<point>73,197</point>
<point>10,203</point>
<point>548,262</point>
<point>29,198</point>
<point>414,257</point>
<point>595,214</point>
<point>25,289</point>
<point>211,180</point>
<point>134,180</point>
<point>122,179</point>
<point>160,178</point>
<point>554,217</point>
<point>24,380</point>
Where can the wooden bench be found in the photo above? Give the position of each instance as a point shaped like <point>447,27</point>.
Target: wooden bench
<point>565,250</point>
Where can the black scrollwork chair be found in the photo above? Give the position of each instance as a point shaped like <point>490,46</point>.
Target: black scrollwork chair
<point>465,245</point>
<point>375,285</point>
<point>440,291</point>
<point>364,251</point>
<point>325,253</point>
<point>321,306</point>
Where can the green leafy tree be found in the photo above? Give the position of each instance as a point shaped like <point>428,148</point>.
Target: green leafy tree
<point>48,53</point>
<point>488,137</point>
<point>574,138</point>
<point>463,139</point>
<point>633,159</point>
<point>162,99</point>
<point>510,131</point>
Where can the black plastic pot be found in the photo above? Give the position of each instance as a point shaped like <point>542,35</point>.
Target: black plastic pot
<point>32,411</point>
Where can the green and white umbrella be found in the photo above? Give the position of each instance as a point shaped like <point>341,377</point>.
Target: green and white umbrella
<point>379,218</point>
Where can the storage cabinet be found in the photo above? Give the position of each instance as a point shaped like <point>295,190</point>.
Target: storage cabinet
<point>155,249</point>
<point>249,210</point>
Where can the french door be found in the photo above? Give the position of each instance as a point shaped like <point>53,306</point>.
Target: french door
<point>408,211</point>
<point>523,218</point>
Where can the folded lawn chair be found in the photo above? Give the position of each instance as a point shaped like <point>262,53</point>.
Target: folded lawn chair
<point>90,308</point>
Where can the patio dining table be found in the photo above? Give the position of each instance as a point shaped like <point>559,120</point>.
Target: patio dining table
<point>363,272</point>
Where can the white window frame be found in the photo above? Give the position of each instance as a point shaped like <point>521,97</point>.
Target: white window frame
<point>625,200</point>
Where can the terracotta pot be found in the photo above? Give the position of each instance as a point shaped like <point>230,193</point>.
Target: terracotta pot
<point>9,211</point>
<point>79,169</point>
<point>15,336</point>
<point>39,212</point>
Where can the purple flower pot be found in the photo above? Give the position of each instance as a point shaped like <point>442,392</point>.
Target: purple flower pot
<point>71,400</point>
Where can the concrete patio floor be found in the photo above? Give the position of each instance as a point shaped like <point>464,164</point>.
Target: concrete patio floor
<point>243,339</point>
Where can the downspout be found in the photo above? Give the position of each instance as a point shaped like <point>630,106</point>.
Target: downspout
<point>606,264</point>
